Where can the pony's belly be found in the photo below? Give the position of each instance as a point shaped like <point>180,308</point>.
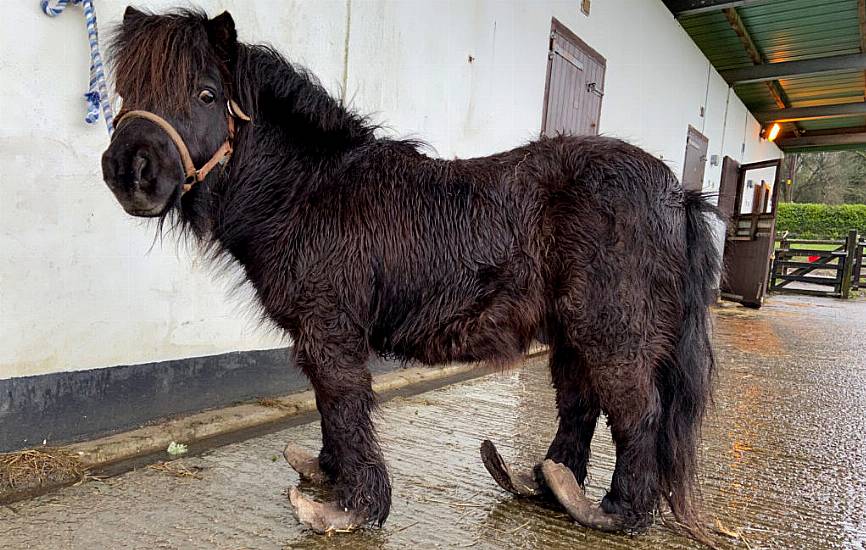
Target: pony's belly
<point>495,339</point>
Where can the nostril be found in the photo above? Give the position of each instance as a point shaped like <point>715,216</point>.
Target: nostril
<point>139,163</point>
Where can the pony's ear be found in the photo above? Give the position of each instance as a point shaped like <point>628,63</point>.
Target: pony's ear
<point>222,35</point>
<point>132,15</point>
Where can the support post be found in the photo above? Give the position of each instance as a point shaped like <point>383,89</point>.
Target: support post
<point>858,268</point>
<point>848,268</point>
<point>783,245</point>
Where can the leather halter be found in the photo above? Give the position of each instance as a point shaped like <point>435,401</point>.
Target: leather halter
<point>193,175</point>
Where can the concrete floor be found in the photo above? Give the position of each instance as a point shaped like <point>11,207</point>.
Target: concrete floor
<point>784,460</point>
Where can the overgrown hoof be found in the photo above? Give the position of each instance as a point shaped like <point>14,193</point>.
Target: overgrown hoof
<point>521,483</point>
<point>305,463</point>
<point>324,518</point>
<point>561,481</point>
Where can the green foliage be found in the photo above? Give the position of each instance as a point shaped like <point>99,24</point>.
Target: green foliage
<point>835,177</point>
<point>821,221</point>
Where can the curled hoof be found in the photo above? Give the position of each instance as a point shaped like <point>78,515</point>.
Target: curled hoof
<point>324,518</point>
<point>521,483</point>
<point>563,484</point>
<point>305,463</point>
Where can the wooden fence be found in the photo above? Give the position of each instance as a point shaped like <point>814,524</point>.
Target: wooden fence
<point>839,270</point>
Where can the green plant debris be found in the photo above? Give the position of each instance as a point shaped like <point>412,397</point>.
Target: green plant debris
<point>177,449</point>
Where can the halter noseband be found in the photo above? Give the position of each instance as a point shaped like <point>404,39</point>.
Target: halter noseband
<point>192,175</point>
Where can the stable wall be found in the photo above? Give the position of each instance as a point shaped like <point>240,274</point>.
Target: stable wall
<point>83,286</point>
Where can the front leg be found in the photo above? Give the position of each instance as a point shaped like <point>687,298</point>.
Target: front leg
<point>321,469</point>
<point>351,455</point>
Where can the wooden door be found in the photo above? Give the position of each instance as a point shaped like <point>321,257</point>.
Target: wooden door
<point>695,161</point>
<point>728,187</point>
<point>751,216</point>
<point>575,85</point>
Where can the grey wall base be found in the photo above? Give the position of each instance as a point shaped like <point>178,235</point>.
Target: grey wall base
<point>71,406</point>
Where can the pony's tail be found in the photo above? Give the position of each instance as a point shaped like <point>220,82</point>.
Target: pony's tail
<point>684,381</point>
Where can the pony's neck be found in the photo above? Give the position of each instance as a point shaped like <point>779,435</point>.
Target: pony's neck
<point>298,138</point>
<point>292,100</point>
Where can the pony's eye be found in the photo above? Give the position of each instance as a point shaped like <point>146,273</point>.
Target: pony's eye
<point>206,96</point>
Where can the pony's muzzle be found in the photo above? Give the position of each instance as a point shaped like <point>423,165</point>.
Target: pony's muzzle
<point>130,179</point>
<point>141,171</point>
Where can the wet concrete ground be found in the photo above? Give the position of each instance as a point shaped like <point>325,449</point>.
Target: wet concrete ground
<point>784,461</point>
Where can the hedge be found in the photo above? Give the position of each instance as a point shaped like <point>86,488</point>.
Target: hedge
<point>820,221</point>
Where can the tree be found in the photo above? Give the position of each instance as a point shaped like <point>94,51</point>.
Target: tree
<point>837,177</point>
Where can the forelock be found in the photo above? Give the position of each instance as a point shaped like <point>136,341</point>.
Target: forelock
<point>156,60</point>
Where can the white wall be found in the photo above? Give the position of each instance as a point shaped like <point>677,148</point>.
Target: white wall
<point>416,75</point>
<point>82,285</point>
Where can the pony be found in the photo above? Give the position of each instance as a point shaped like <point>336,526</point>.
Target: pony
<point>359,244</point>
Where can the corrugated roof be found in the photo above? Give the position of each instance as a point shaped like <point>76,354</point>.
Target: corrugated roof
<point>784,30</point>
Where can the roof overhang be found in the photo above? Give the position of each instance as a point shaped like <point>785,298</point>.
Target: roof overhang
<point>801,63</point>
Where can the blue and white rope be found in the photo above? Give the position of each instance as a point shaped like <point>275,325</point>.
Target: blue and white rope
<point>97,95</point>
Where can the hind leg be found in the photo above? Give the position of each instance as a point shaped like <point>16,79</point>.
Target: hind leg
<point>633,417</point>
<point>628,395</point>
<point>578,412</point>
<point>564,470</point>
<point>618,345</point>
<point>633,495</point>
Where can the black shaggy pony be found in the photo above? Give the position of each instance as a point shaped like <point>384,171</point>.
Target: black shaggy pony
<point>359,245</point>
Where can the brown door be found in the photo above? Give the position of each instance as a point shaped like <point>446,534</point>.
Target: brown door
<point>575,85</point>
<point>695,161</point>
<point>747,198</point>
<point>728,186</point>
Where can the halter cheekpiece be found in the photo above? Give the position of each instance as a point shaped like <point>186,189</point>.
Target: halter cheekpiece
<point>193,175</point>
